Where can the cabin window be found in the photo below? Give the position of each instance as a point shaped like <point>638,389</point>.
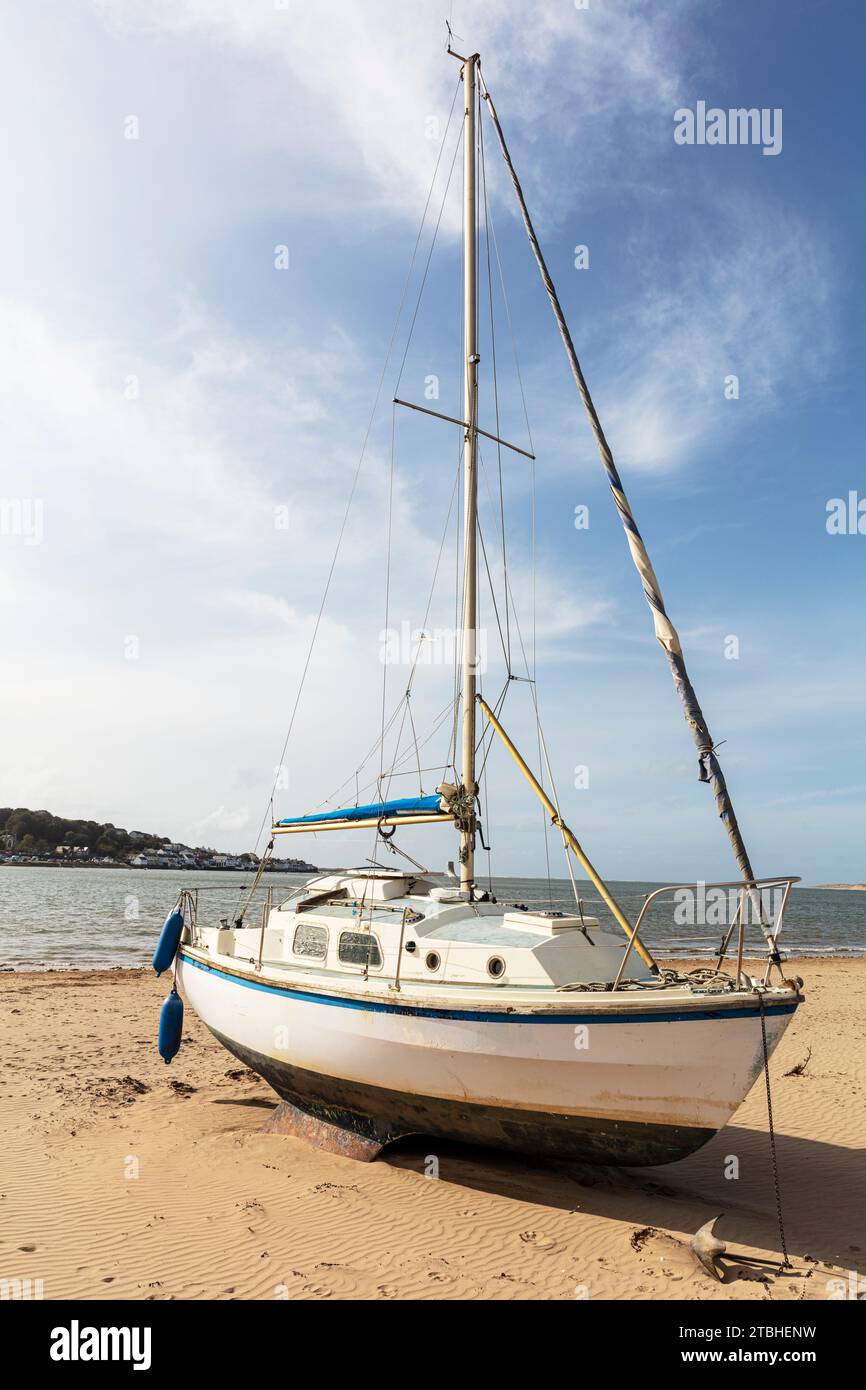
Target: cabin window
<point>311,941</point>
<point>359,948</point>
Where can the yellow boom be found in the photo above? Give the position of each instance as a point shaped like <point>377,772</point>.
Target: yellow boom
<point>571,839</point>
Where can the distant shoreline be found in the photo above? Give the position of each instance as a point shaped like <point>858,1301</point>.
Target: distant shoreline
<point>843,887</point>
<point>157,868</point>
<point>55,863</point>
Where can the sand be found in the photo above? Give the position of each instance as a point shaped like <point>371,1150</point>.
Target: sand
<point>124,1178</point>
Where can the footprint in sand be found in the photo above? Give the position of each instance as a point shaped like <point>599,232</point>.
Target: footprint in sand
<point>318,1290</point>
<point>388,1291</point>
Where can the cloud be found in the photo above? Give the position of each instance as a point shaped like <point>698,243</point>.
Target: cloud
<point>753,300</point>
<point>751,303</point>
<point>225,819</point>
<point>310,124</point>
<point>160,525</point>
<point>368,79</point>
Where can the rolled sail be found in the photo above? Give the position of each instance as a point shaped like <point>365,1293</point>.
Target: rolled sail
<point>376,810</point>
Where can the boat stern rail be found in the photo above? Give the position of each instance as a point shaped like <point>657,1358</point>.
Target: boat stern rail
<point>750,890</point>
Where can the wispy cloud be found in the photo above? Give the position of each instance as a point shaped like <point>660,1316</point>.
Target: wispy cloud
<point>370,93</point>
<point>165,396</point>
<point>747,292</point>
<point>224,818</point>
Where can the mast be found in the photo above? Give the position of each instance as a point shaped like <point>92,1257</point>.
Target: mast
<point>470,477</point>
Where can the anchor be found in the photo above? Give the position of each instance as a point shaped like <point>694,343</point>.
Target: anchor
<point>709,1251</point>
<point>708,1247</point>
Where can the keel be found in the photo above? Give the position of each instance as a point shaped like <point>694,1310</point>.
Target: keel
<point>324,1134</point>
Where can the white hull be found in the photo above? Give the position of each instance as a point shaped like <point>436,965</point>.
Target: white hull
<point>641,1078</point>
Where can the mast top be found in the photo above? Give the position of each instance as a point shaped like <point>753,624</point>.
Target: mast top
<point>461,57</point>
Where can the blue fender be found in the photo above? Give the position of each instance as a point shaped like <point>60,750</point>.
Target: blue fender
<point>170,1026</point>
<point>169,940</point>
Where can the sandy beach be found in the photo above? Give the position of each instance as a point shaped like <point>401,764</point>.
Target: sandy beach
<point>125,1178</point>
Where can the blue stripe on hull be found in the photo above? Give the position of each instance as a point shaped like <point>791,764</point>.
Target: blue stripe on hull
<point>493,1016</point>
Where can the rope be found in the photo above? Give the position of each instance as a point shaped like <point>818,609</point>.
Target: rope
<point>786,1263</point>
<point>262,863</point>
<point>667,978</point>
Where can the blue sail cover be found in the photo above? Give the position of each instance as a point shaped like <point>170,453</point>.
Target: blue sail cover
<point>406,806</point>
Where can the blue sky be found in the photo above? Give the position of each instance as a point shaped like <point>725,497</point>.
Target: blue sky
<point>164,388</point>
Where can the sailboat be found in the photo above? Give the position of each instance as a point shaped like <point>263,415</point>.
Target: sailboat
<point>380,1002</point>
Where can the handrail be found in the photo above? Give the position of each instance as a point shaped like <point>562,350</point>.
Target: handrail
<point>744,886</point>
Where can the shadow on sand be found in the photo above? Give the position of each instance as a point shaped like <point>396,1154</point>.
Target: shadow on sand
<point>823,1190</point>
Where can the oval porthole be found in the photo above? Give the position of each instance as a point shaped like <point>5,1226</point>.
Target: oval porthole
<point>496,967</point>
<point>432,960</point>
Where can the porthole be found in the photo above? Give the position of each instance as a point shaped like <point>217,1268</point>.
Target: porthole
<point>432,960</point>
<point>496,967</point>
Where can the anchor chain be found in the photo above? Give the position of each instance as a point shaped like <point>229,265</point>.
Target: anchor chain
<point>786,1263</point>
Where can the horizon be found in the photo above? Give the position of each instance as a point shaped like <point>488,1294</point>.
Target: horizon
<point>184,408</point>
<point>552,878</point>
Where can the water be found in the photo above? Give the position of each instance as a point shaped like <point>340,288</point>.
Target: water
<point>817,921</point>
<point>91,918</point>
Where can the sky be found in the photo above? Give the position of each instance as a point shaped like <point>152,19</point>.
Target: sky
<point>183,407</point>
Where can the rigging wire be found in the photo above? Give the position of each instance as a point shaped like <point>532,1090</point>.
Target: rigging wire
<point>378,829</point>
<point>440,719</point>
<point>531,681</point>
<point>429,253</point>
<point>511,334</point>
<point>403,712</point>
<point>357,473</point>
<point>458,573</point>
<point>495,387</point>
<point>502,640</point>
<point>387,583</point>
<point>406,697</point>
<point>489,230</point>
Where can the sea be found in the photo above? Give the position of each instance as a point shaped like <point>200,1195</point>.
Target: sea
<point>91,918</point>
